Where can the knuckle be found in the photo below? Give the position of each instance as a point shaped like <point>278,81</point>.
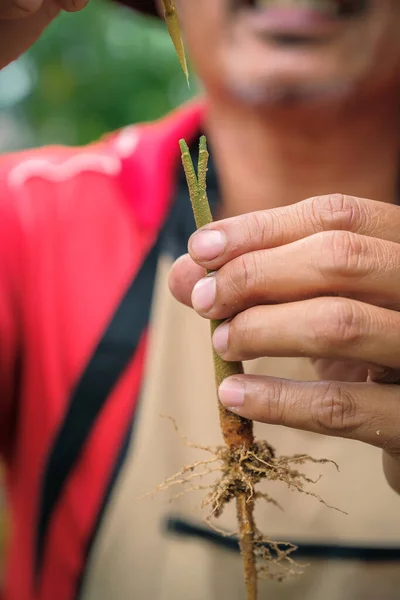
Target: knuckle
<point>337,322</point>
<point>256,227</point>
<point>245,275</point>
<point>274,402</point>
<point>336,211</point>
<point>239,276</point>
<point>243,336</point>
<point>239,333</point>
<point>341,254</point>
<point>264,226</point>
<point>334,410</point>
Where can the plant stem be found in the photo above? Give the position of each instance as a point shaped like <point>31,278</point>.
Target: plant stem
<point>237,432</point>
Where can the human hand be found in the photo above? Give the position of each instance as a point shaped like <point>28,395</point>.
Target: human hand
<point>319,279</point>
<point>23,21</point>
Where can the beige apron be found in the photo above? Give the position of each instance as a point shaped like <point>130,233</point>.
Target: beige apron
<point>133,557</point>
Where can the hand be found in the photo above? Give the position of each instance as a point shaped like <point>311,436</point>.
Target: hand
<point>320,279</point>
<point>23,21</point>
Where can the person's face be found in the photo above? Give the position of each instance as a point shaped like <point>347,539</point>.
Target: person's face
<point>261,51</point>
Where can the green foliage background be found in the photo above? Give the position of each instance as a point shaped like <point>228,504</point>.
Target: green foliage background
<point>90,73</point>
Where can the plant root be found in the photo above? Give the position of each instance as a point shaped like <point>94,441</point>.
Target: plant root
<point>240,471</point>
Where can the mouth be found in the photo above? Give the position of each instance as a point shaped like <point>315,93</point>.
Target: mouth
<point>296,21</point>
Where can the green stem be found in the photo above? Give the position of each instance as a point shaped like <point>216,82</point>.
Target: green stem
<point>197,185</point>
<point>237,432</point>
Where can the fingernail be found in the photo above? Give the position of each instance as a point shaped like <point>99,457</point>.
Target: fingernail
<point>220,338</point>
<point>231,393</point>
<point>207,244</point>
<point>204,292</point>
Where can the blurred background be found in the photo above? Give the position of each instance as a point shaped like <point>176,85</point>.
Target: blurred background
<point>90,73</point>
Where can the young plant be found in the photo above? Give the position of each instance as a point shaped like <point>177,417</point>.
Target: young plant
<point>237,432</point>
<point>244,461</point>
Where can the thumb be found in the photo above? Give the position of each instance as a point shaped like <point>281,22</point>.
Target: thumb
<point>18,34</point>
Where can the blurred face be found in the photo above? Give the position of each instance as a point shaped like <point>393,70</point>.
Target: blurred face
<point>263,51</point>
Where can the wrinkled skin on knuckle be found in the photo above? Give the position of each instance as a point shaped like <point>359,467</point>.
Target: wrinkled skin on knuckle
<point>242,336</point>
<point>245,278</point>
<point>387,256</point>
<point>335,323</point>
<point>336,212</point>
<point>260,225</point>
<point>274,402</point>
<point>334,410</point>
<point>341,255</point>
<point>235,276</point>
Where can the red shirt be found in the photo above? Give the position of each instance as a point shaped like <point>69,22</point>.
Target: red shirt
<point>78,246</point>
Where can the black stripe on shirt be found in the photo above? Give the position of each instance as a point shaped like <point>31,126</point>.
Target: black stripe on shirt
<point>111,357</point>
<point>183,528</point>
<point>99,519</point>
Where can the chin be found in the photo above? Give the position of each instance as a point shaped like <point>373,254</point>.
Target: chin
<point>290,95</point>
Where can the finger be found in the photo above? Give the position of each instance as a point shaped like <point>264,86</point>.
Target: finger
<point>17,9</point>
<point>384,375</point>
<point>72,5</point>
<point>367,412</point>
<point>391,467</point>
<point>335,262</point>
<point>183,276</point>
<point>335,328</point>
<point>17,35</point>
<point>220,242</point>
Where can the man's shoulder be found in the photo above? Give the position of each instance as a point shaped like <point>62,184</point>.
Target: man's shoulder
<point>133,166</point>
